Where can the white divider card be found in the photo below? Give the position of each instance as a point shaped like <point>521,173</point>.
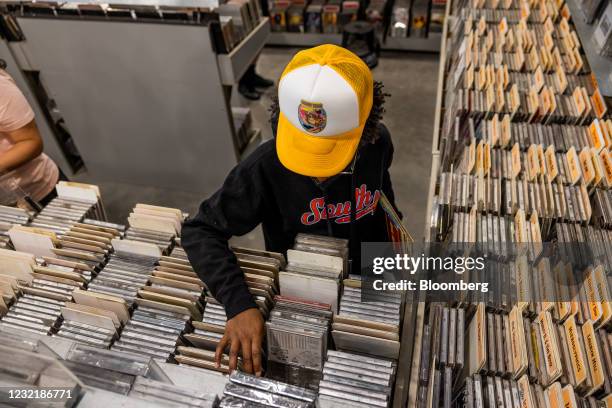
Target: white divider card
<point>103,301</point>
<point>78,191</point>
<point>35,241</point>
<point>136,248</point>
<point>17,264</point>
<point>161,216</point>
<point>314,260</point>
<point>309,287</point>
<point>152,223</point>
<point>168,210</point>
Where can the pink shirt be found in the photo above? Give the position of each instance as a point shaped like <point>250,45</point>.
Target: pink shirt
<point>38,176</point>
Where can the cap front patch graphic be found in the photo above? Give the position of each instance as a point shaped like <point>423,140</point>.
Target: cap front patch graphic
<point>312,116</point>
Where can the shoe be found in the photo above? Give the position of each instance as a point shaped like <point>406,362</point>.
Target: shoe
<point>249,92</point>
<point>261,82</point>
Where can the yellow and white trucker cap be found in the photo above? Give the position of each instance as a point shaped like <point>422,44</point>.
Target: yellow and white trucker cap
<point>325,97</point>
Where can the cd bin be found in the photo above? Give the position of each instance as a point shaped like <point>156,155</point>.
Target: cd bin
<point>36,371</point>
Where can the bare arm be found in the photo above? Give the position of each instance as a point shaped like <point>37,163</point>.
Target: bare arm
<point>27,146</point>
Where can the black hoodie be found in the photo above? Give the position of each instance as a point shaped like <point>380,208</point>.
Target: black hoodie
<point>261,190</point>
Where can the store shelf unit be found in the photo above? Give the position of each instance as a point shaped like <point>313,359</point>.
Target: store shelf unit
<point>175,100</point>
<point>233,65</point>
<point>430,44</point>
<point>600,65</point>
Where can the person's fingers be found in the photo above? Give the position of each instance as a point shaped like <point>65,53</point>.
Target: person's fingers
<point>233,354</point>
<point>220,349</point>
<point>256,355</point>
<point>247,364</point>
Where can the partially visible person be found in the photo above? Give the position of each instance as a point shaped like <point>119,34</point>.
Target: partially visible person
<point>323,174</point>
<point>251,82</point>
<point>25,171</point>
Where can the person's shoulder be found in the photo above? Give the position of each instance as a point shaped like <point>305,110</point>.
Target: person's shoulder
<point>384,135</point>
<point>263,155</point>
<point>383,140</point>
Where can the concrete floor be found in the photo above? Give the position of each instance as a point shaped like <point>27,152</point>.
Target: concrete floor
<point>410,78</point>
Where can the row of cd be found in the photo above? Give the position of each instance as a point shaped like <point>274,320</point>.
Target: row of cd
<point>524,178</point>
<point>500,131</point>
<point>506,350</point>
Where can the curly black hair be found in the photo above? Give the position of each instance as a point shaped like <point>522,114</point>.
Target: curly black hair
<point>370,131</point>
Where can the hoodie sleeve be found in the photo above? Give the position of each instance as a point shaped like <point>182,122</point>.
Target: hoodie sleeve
<point>235,209</point>
<point>386,182</point>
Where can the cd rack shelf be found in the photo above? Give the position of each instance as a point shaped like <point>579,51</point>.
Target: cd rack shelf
<point>124,309</point>
<point>548,324</point>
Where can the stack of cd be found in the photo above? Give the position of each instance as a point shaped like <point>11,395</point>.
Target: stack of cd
<point>178,251</point>
<point>10,216</point>
<point>540,354</point>
<point>443,355</point>
<point>209,331</point>
<point>197,357</point>
<point>114,370</point>
<point>16,271</point>
<point>72,328</point>
<point>87,243</point>
<point>162,239</point>
<point>155,224</point>
<point>356,380</point>
<point>243,390</point>
<point>166,296</point>
<point>320,244</point>
<point>53,280</point>
<point>297,336</point>
<point>63,267</point>
<point>34,311</point>
<point>369,322</point>
<point>494,391</point>
<point>154,330</point>
<point>261,272</point>
<point>124,275</point>
<point>214,314</point>
<point>93,319</point>
<point>75,201</point>
<point>314,271</point>
<point>176,276</point>
<point>169,395</point>
<point>60,214</point>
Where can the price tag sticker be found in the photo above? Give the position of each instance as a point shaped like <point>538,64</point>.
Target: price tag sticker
<point>538,79</point>
<point>503,26</point>
<point>552,170</point>
<point>573,164</point>
<point>561,79</point>
<point>579,103</point>
<point>599,104</point>
<point>516,160</point>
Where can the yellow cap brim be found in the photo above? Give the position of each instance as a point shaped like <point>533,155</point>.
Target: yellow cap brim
<point>315,156</point>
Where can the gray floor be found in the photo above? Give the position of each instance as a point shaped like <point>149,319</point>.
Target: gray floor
<point>410,78</point>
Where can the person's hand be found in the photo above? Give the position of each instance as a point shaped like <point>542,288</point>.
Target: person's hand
<point>243,334</point>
